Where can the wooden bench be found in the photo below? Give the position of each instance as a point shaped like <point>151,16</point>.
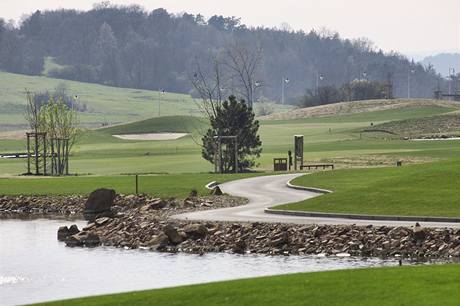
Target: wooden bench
<point>316,166</point>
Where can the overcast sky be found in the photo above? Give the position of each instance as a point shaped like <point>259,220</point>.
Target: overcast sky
<point>413,27</point>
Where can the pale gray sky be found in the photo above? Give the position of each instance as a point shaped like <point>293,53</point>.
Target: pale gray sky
<point>414,27</point>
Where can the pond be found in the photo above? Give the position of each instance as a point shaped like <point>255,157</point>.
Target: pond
<point>35,267</point>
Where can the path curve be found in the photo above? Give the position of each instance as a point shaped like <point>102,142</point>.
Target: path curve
<point>267,191</point>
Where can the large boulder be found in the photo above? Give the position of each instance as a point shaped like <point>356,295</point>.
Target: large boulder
<point>174,237</point>
<point>99,204</point>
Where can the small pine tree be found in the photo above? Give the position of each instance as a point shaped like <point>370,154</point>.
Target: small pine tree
<point>233,118</point>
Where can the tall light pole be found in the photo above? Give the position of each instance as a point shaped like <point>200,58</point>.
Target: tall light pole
<point>284,81</point>
<point>409,73</point>
<point>255,85</point>
<point>319,77</point>
<point>160,93</point>
<point>451,76</point>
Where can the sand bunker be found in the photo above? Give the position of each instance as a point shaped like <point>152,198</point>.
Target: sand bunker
<point>151,136</point>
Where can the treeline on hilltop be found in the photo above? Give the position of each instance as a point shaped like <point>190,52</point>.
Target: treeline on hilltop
<point>130,47</point>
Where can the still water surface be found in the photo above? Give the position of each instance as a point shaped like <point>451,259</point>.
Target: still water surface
<point>35,267</point>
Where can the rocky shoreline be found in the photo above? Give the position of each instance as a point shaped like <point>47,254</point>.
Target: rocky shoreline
<point>145,222</point>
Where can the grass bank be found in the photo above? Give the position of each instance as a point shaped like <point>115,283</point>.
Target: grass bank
<point>173,185</point>
<point>420,285</point>
<point>417,190</point>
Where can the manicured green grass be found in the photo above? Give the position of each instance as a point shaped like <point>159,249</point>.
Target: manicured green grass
<point>99,153</point>
<point>420,285</point>
<point>162,185</point>
<point>420,190</point>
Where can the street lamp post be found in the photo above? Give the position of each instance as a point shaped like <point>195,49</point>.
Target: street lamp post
<point>284,80</point>
<point>160,93</point>
<point>255,85</point>
<point>409,73</point>
<point>319,77</point>
<point>451,76</point>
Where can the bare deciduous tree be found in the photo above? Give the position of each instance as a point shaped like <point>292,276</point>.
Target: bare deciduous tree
<point>243,64</point>
<point>233,71</point>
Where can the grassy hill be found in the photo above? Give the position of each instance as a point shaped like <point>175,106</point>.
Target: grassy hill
<point>446,124</point>
<point>173,124</point>
<point>105,104</point>
<point>368,106</point>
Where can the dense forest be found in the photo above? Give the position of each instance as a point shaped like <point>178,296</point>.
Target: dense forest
<point>130,47</point>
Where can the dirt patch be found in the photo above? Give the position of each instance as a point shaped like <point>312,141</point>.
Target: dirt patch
<point>151,136</point>
<point>346,108</point>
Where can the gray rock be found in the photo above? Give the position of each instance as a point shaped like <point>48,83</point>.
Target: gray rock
<point>83,239</point>
<point>99,201</point>
<point>174,237</point>
<point>196,231</point>
<point>63,233</point>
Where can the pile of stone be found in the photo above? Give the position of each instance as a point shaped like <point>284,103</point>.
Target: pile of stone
<point>141,228</point>
<point>77,205</point>
<point>53,205</point>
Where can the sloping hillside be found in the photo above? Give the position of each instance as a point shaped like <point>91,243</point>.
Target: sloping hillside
<point>172,124</point>
<point>347,108</point>
<point>448,124</point>
<point>105,104</point>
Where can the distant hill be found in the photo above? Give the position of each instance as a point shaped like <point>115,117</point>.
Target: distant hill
<point>442,62</point>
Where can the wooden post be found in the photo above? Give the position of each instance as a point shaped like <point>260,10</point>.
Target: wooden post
<point>59,156</point>
<point>236,154</point>
<point>36,154</point>
<point>67,157</point>
<point>137,184</point>
<point>52,157</point>
<point>44,154</point>
<point>28,153</point>
<point>221,166</point>
<point>215,157</point>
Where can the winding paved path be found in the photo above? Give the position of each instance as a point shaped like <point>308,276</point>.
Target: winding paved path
<point>268,191</point>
